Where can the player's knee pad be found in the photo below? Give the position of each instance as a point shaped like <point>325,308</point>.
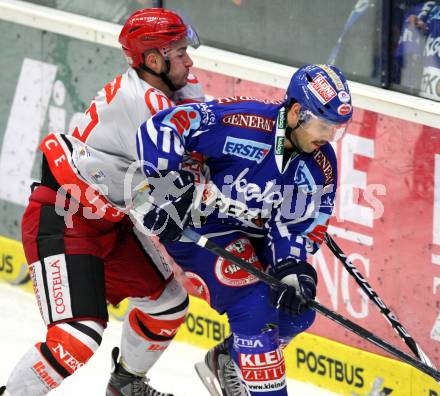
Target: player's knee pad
<point>261,362</point>
<point>159,320</point>
<point>70,345</point>
<point>150,325</point>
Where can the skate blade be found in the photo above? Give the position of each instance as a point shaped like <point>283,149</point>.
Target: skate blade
<point>208,379</point>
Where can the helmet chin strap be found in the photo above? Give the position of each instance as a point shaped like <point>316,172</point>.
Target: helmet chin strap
<point>290,130</point>
<point>162,75</point>
<point>288,135</point>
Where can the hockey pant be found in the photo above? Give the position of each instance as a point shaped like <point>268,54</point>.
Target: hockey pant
<point>260,331</point>
<point>74,271</point>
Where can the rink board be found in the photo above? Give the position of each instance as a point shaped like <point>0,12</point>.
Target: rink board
<point>310,358</point>
<point>325,363</point>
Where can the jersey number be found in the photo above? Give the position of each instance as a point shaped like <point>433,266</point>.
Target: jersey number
<point>110,92</point>
<point>94,119</point>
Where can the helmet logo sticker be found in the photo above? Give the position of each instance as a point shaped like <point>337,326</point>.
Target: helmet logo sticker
<point>335,78</point>
<point>344,109</point>
<point>344,96</point>
<point>321,88</point>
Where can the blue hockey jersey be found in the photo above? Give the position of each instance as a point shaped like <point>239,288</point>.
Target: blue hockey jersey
<point>287,202</point>
<point>431,54</point>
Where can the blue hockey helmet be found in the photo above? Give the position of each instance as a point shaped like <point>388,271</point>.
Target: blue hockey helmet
<point>323,93</point>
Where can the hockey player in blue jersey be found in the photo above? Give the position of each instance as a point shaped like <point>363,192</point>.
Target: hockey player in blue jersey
<point>267,198</point>
<point>417,55</point>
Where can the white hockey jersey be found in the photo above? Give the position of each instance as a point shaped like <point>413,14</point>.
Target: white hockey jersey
<point>97,162</point>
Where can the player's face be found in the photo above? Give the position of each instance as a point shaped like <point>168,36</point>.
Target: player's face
<point>312,137</point>
<point>305,139</point>
<point>309,140</point>
<point>180,63</point>
<point>312,132</point>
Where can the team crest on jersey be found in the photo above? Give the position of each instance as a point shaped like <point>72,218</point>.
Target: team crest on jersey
<point>248,149</point>
<point>303,178</point>
<point>183,119</point>
<point>231,275</point>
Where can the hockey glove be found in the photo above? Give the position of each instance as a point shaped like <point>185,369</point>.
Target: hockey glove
<point>172,196</point>
<point>300,279</point>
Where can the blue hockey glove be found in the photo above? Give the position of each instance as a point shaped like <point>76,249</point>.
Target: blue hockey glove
<point>300,279</point>
<point>172,196</point>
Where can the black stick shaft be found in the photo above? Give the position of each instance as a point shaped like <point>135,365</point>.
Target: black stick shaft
<point>373,296</point>
<point>348,324</point>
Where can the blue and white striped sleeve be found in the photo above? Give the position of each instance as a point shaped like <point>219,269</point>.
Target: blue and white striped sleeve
<point>298,227</point>
<point>158,149</point>
<point>299,237</point>
<point>162,140</point>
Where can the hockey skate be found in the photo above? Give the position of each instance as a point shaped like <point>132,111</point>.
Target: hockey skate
<point>218,374</point>
<point>123,383</point>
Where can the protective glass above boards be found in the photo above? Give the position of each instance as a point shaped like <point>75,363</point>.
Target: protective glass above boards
<point>415,48</point>
<point>389,43</point>
<point>347,33</point>
<point>115,11</point>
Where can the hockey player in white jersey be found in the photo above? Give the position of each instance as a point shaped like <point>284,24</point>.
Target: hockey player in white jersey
<point>83,250</point>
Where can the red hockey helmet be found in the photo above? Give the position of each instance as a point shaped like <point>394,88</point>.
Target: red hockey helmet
<point>153,28</point>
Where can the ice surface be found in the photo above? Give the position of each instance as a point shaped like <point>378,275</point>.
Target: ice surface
<point>21,327</point>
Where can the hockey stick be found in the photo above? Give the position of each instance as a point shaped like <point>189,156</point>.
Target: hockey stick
<point>359,8</point>
<point>372,295</point>
<point>205,243</point>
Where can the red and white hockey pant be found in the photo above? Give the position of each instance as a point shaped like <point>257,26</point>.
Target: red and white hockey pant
<point>74,270</point>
